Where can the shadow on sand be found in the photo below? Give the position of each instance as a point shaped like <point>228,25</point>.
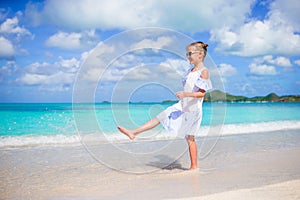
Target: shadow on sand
<point>165,162</point>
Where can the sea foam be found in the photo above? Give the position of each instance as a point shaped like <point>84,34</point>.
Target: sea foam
<point>205,131</point>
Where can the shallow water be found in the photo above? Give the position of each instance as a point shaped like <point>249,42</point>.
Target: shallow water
<point>46,124</point>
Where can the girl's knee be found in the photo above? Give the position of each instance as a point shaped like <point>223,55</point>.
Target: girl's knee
<point>190,139</point>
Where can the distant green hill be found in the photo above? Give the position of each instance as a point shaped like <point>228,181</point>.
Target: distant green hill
<point>217,95</point>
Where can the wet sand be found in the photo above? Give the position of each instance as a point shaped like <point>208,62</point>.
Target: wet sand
<point>250,166</point>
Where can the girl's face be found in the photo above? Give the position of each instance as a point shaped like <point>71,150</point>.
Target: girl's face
<point>195,56</point>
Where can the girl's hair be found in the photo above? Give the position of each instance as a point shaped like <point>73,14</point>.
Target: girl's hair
<point>200,46</point>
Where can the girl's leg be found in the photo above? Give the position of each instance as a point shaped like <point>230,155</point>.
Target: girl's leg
<point>132,133</point>
<point>193,151</point>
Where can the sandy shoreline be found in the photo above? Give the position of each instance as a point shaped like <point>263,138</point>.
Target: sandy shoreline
<point>258,166</point>
<point>284,190</point>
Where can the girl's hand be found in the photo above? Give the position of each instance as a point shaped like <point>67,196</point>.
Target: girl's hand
<point>180,95</point>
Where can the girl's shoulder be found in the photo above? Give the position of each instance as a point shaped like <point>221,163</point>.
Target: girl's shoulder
<point>204,73</point>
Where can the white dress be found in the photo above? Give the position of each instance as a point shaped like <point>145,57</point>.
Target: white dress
<point>184,118</point>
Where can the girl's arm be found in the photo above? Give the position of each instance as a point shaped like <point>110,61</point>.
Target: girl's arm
<point>182,94</point>
<point>199,94</point>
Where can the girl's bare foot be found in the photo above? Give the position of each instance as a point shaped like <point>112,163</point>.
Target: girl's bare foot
<point>126,132</point>
<point>193,167</point>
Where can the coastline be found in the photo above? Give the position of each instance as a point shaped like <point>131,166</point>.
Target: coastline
<point>259,166</point>
<point>31,140</point>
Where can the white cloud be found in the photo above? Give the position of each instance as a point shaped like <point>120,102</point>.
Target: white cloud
<point>94,62</point>
<point>10,34</point>
<point>288,11</point>
<point>266,65</point>
<point>59,73</point>
<point>257,38</point>
<point>279,61</point>
<point>126,61</point>
<point>149,65</point>
<point>71,40</point>
<point>91,14</point>
<point>7,49</point>
<point>53,79</point>
<point>297,62</point>
<point>119,59</point>
<point>194,16</point>
<point>7,70</point>
<point>139,73</point>
<point>157,44</point>
<point>262,69</point>
<point>55,88</point>
<point>132,68</point>
<point>227,69</point>
<point>71,65</point>
<point>278,33</point>
<point>191,16</point>
<point>33,79</point>
<point>64,40</point>
<point>177,65</point>
<point>11,26</point>
<point>236,33</point>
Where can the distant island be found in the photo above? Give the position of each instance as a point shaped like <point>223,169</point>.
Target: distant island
<point>219,96</point>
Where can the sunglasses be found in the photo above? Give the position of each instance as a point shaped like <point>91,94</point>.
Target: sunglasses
<point>190,53</point>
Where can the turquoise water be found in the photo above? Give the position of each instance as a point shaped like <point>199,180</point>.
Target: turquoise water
<point>65,119</point>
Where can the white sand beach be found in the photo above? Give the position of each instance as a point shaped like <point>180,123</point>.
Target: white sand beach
<point>250,166</point>
<point>284,190</point>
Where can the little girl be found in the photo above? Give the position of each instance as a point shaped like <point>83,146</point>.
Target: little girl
<point>184,118</point>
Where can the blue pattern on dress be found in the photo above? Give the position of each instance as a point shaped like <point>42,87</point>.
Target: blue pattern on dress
<point>175,114</point>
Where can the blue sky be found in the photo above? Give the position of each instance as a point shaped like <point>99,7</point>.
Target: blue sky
<point>45,45</point>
